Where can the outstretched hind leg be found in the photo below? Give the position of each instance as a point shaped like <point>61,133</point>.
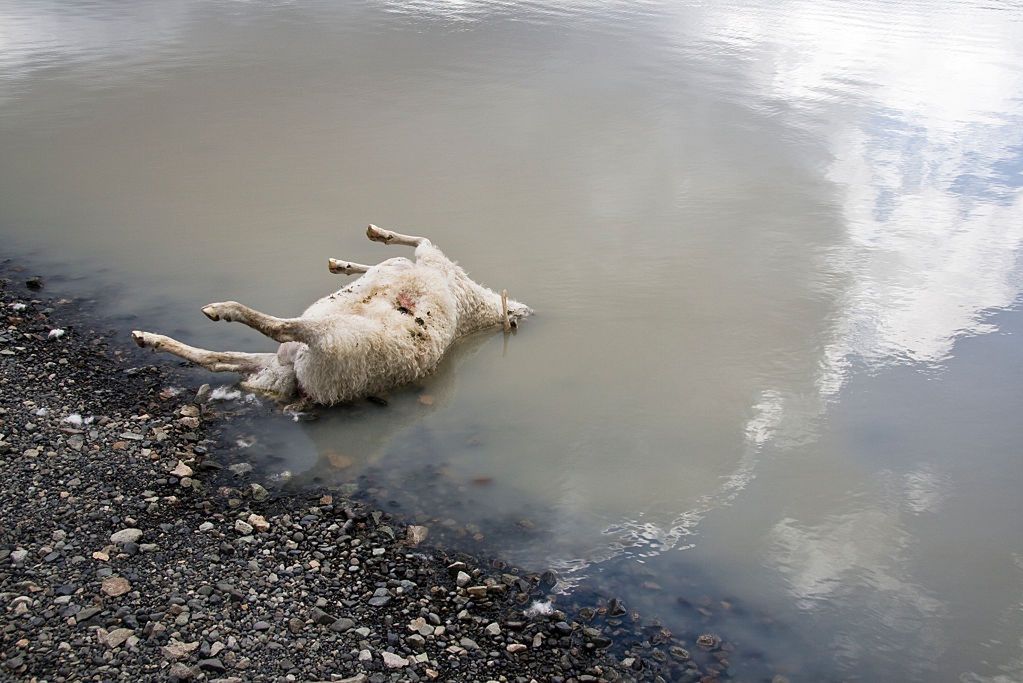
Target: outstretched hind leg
<point>278,329</point>
<point>426,252</point>
<point>390,237</point>
<point>214,361</point>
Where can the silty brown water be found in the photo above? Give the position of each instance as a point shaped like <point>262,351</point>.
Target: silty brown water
<point>774,250</point>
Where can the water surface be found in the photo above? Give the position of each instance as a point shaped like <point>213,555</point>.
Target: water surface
<point>774,248</point>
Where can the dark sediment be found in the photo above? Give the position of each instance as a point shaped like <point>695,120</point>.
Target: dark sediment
<point>129,549</point>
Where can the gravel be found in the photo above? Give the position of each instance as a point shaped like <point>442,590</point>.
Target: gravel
<point>129,550</point>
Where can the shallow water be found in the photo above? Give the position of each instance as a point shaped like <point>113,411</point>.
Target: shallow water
<point>774,250</point>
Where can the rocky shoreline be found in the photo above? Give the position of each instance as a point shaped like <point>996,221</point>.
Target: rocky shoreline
<point>130,547</point>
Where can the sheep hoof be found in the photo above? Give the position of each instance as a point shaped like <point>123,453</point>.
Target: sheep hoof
<point>145,340</point>
<point>379,235</point>
<point>218,311</point>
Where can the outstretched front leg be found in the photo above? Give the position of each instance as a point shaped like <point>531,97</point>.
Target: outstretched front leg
<point>279,329</point>
<point>215,361</point>
<point>346,267</point>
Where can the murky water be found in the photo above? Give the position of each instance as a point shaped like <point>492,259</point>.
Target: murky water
<point>774,248</point>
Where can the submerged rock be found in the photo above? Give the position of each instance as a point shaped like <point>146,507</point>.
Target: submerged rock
<point>417,534</point>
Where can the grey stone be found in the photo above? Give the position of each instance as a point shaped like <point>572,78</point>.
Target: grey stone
<point>181,672</point>
<point>212,664</point>
<point>342,624</point>
<point>241,468</point>
<point>117,637</point>
<point>123,536</point>
<point>87,613</point>
<point>320,617</point>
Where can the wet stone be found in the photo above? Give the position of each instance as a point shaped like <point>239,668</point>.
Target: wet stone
<point>342,624</point>
<point>679,653</point>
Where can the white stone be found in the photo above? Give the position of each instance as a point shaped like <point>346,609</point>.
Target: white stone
<point>393,661</point>
<point>115,638</point>
<point>182,470</point>
<point>176,649</point>
<point>260,524</point>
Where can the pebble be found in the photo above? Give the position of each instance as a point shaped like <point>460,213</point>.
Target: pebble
<point>176,649</point>
<point>416,534</point>
<point>393,661</point>
<point>87,613</point>
<point>708,641</point>
<point>115,638</point>
<point>126,536</point>
<point>320,617</point>
<point>182,470</point>
<point>212,664</point>
<point>115,586</point>
<point>342,625</point>
<point>679,653</point>
<point>259,523</point>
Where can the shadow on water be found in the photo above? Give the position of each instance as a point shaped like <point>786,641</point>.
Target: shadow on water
<point>330,447</point>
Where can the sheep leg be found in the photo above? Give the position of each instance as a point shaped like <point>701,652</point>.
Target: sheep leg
<point>346,267</point>
<point>390,237</point>
<point>279,329</point>
<point>215,361</point>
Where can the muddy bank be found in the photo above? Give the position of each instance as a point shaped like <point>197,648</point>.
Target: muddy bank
<point>134,544</point>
